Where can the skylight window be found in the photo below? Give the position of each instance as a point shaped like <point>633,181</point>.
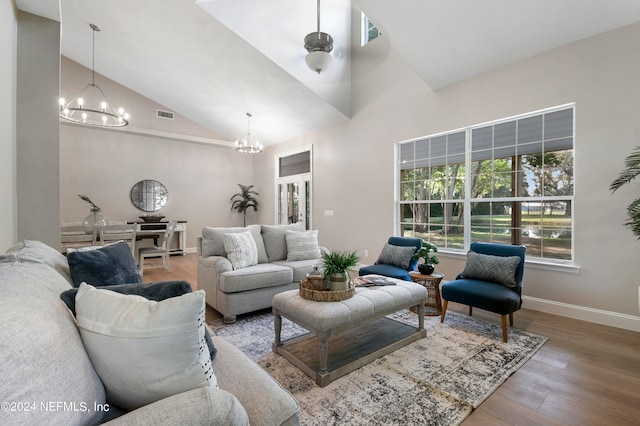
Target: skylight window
<point>369,30</point>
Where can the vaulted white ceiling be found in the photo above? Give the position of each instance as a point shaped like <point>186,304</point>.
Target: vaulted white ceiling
<point>447,41</point>
<point>214,60</point>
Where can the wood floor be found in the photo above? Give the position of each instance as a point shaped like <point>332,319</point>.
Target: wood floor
<point>586,374</point>
<point>182,268</point>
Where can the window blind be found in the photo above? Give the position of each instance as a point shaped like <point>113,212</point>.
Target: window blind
<point>552,131</point>
<point>295,164</point>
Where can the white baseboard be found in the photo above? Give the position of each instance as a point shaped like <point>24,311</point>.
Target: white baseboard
<point>599,316</point>
<point>191,250</point>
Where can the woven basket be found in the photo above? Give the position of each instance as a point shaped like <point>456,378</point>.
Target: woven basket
<point>308,291</point>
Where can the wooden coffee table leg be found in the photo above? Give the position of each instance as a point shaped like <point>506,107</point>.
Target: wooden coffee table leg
<point>323,349</point>
<point>277,323</point>
<point>421,317</point>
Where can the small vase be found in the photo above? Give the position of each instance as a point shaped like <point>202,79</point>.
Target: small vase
<point>95,220</point>
<point>338,282</point>
<point>426,268</point>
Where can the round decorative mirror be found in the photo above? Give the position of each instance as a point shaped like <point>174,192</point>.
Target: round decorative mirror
<point>149,195</point>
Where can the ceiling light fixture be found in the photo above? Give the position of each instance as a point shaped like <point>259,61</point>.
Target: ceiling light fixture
<point>91,105</point>
<point>319,45</point>
<point>247,143</point>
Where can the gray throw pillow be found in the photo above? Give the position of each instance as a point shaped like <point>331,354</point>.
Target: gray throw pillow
<point>108,265</point>
<point>302,245</point>
<point>497,269</point>
<point>275,240</point>
<point>399,256</point>
<point>213,241</point>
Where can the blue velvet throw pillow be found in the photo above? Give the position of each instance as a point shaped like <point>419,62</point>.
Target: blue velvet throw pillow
<point>496,269</point>
<point>157,291</point>
<point>108,265</point>
<point>399,256</point>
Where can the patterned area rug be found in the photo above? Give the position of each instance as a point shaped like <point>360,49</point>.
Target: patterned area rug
<point>434,381</point>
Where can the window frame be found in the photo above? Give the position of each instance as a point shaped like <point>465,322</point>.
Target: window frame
<point>365,39</point>
<point>400,225</point>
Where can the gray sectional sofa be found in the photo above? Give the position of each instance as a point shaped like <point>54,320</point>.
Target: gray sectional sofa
<point>48,377</point>
<point>280,267</point>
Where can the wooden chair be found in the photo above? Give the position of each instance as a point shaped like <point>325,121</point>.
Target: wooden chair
<point>76,236</point>
<point>482,293</point>
<point>119,232</point>
<point>162,250</point>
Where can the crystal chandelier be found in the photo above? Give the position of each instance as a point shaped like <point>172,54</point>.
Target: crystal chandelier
<point>319,45</point>
<point>247,143</point>
<point>91,105</point>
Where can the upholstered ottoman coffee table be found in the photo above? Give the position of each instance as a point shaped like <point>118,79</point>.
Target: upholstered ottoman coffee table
<point>350,333</point>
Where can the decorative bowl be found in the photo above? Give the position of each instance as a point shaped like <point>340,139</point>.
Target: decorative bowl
<point>152,218</point>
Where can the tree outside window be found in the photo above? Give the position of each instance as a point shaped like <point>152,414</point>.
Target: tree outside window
<point>515,179</point>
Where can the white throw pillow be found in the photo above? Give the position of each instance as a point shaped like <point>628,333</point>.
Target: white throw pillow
<point>302,245</point>
<point>241,249</point>
<point>144,350</point>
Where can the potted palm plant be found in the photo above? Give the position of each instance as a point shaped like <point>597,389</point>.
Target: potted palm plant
<point>424,252</point>
<point>629,173</point>
<point>336,267</point>
<point>243,200</point>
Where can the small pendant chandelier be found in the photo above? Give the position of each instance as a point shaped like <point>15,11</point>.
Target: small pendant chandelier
<point>91,106</point>
<point>247,143</point>
<point>319,45</point>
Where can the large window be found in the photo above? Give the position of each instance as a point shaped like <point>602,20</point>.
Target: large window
<point>509,181</point>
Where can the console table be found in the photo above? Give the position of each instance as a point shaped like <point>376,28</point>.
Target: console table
<point>155,229</point>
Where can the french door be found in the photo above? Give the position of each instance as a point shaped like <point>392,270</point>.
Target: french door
<point>293,188</point>
<point>294,200</point>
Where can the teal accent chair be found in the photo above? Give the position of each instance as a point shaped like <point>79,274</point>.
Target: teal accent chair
<point>489,296</point>
<point>392,270</point>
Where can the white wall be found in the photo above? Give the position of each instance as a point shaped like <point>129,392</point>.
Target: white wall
<point>8,60</point>
<point>103,164</point>
<point>392,104</point>
<point>37,135</point>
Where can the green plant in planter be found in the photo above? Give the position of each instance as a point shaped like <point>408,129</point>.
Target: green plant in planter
<point>631,171</point>
<point>243,200</point>
<point>336,265</point>
<point>424,252</point>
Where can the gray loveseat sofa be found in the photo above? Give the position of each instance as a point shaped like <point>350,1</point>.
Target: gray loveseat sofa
<point>237,291</point>
<point>48,378</point>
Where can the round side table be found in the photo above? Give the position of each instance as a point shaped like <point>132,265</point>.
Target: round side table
<point>433,306</point>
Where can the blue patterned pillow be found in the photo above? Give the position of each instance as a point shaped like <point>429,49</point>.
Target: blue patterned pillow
<point>399,256</point>
<point>497,269</point>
